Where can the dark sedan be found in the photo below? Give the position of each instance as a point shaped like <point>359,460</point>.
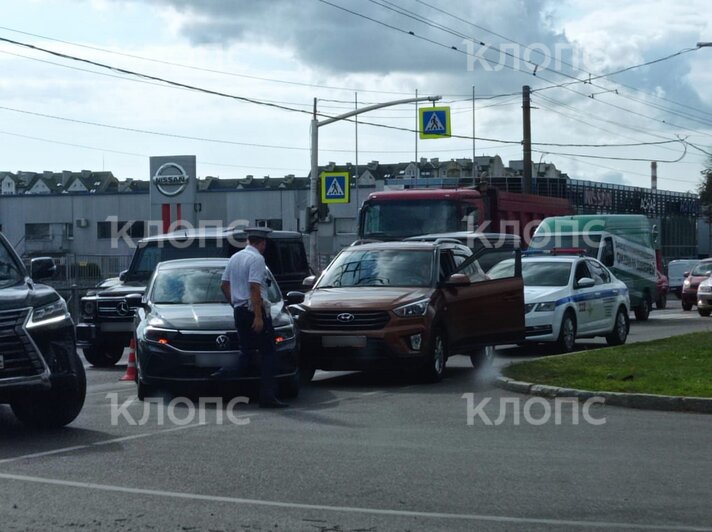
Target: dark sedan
<point>185,333</point>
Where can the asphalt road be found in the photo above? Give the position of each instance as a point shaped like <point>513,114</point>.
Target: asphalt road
<point>364,453</point>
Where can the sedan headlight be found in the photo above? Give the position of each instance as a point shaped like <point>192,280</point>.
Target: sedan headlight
<point>548,306</point>
<point>412,310</point>
<point>52,313</point>
<point>705,288</point>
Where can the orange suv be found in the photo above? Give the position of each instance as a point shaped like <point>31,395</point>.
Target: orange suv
<point>405,304</point>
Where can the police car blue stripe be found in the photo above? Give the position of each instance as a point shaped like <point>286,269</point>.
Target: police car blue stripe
<point>592,295</point>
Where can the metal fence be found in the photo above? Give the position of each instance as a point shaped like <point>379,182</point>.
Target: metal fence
<point>76,274</point>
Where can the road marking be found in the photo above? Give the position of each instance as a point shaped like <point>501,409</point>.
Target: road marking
<point>347,509</point>
<point>96,444</point>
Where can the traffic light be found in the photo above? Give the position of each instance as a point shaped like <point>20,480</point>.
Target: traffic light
<point>311,219</point>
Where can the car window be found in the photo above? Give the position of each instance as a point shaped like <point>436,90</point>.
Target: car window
<point>535,273</point>
<point>147,258</point>
<point>447,264</point>
<point>582,271</point>
<point>188,286</point>
<point>473,270</point>
<point>702,268</point>
<point>379,268</point>
<point>599,273</point>
<point>9,272</point>
<point>607,254</point>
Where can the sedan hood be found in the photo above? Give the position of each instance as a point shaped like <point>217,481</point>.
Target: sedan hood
<point>541,294</point>
<point>213,316</point>
<point>364,298</point>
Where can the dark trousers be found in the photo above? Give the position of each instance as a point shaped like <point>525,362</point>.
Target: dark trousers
<point>262,343</point>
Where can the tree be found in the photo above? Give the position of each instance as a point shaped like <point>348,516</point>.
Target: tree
<point>704,189</point>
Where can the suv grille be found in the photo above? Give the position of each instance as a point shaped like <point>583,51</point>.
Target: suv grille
<point>16,347</point>
<point>361,320</point>
<point>110,308</point>
<point>206,342</point>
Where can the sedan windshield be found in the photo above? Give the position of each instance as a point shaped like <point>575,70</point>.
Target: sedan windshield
<point>188,286</point>
<point>379,268</point>
<point>535,273</point>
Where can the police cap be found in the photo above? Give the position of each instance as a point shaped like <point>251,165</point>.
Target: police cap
<point>257,232</point>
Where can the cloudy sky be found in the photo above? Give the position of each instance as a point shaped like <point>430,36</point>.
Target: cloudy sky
<point>57,113</point>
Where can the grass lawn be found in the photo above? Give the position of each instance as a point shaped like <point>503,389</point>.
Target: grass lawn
<point>681,365</point>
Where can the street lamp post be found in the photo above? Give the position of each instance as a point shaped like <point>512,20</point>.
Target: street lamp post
<point>314,181</point>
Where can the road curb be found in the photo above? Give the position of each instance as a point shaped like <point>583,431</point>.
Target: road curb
<point>643,401</point>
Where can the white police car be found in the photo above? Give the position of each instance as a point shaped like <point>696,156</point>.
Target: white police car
<point>569,297</point>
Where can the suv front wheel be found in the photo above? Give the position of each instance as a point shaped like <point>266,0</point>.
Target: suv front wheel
<point>103,355</point>
<point>434,368</point>
<point>58,406</point>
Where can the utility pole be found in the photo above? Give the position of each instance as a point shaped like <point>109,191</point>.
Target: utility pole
<point>474,160</point>
<point>527,140</point>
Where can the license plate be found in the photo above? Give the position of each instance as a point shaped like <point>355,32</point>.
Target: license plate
<point>117,327</point>
<point>343,341</point>
<point>216,360</point>
<point>2,362</point>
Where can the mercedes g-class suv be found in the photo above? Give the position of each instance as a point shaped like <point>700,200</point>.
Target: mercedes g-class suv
<point>106,325</point>
<point>41,375</point>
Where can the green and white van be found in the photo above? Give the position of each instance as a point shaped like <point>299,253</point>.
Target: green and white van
<point>624,243</point>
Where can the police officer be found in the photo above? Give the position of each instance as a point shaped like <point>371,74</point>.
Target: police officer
<point>244,284</point>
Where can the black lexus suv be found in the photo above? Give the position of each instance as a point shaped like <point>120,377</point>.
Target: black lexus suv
<point>106,325</point>
<point>41,374</point>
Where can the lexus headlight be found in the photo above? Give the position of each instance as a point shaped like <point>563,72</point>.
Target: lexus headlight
<point>47,314</point>
<point>545,307</point>
<point>411,310</point>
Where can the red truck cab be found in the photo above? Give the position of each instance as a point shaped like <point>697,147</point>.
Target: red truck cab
<point>395,215</point>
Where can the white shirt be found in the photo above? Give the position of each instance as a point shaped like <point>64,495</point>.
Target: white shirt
<point>245,267</point>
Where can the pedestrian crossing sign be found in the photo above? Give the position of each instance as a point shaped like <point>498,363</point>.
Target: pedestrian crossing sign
<point>335,187</point>
<point>434,122</point>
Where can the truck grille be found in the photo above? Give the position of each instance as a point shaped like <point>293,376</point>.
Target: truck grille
<point>114,308</point>
<point>206,342</point>
<point>19,358</point>
<point>368,321</point>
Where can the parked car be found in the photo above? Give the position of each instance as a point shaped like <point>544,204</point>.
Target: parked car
<point>676,274</point>
<point>704,297</point>
<point>693,278</point>
<point>570,297</point>
<point>402,305</point>
<point>41,376</point>
<point>185,331</point>
<point>663,288</point>
<point>106,324</point>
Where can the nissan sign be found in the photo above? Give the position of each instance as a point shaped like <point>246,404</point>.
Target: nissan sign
<point>170,179</point>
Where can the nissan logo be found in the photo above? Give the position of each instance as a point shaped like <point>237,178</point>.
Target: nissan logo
<point>222,341</point>
<point>122,309</point>
<point>346,317</point>
<point>171,179</point>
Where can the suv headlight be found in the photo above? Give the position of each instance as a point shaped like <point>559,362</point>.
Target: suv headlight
<point>47,314</point>
<point>412,310</point>
<point>548,306</point>
<point>88,308</point>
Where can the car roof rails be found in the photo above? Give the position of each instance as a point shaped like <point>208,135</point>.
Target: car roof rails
<point>362,241</point>
<point>448,240</point>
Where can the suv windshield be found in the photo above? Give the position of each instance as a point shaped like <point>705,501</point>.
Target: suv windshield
<point>9,272</point>
<point>379,268</point>
<point>535,273</point>
<point>148,257</point>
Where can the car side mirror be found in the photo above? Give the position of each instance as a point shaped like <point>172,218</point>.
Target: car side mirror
<point>585,282</point>
<point>122,275</point>
<point>457,279</point>
<point>686,274</point>
<point>308,282</point>
<point>135,301</point>
<point>295,298</point>
<point>42,268</point>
